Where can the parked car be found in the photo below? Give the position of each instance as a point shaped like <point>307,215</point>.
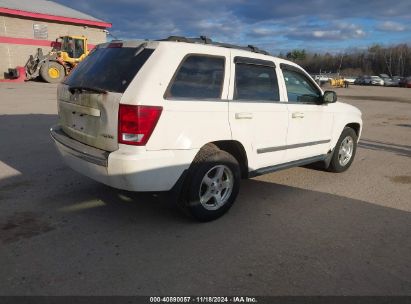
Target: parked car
<point>358,80</point>
<point>405,82</point>
<point>396,79</point>
<point>365,80</point>
<point>376,81</point>
<point>391,82</point>
<point>321,77</point>
<point>193,117</point>
<point>350,79</point>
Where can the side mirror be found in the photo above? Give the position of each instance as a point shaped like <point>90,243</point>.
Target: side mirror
<point>329,97</point>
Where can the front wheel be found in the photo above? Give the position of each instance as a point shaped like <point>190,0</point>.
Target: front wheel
<point>212,185</point>
<point>52,72</point>
<point>344,151</point>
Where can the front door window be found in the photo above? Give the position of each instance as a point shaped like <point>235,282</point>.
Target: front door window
<point>300,88</point>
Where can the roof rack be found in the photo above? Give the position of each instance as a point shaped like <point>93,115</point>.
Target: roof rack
<point>206,40</point>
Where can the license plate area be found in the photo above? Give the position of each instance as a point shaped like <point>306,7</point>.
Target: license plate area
<point>78,121</point>
<point>90,118</point>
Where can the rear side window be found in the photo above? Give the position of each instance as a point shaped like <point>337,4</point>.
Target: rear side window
<point>110,69</point>
<point>255,82</point>
<point>199,77</point>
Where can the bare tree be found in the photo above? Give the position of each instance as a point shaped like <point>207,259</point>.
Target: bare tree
<point>377,59</point>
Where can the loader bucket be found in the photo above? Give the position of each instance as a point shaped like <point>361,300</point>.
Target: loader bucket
<point>34,63</point>
<point>31,65</point>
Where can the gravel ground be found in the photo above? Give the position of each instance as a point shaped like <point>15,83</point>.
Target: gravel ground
<point>296,232</point>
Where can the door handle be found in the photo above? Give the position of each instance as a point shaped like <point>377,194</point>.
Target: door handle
<point>298,115</point>
<point>243,115</point>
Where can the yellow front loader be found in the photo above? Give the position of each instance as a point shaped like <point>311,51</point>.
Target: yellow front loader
<point>337,82</point>
<point>67,52</point>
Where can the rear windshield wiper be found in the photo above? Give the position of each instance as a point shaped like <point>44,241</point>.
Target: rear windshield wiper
<point>81,89</point>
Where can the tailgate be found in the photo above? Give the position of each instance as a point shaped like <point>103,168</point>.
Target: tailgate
<point>88,99</point>
<point>89,117</point>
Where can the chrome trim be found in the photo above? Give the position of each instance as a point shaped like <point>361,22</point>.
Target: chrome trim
<point>81,109</point>
<point>78,149</point>
<point>279,148</point>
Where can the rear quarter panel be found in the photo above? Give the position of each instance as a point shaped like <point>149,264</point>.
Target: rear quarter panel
<point>183,124</point>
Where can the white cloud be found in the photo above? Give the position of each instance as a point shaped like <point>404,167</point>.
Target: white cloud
<point>332,31</point>
<point>269,24</point>
<point>390,26</point>
<point>263,32</point>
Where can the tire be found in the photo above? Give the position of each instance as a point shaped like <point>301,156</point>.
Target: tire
<point>346,147</point>
<point>211,186</point>
<point>52,72</point>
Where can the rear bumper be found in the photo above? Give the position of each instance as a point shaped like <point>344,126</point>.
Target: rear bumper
<point>129,168</point>
<point>79,150</point>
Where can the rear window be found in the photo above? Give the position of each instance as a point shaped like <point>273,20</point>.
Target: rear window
<point>109,69</point>
<point>199,77</point>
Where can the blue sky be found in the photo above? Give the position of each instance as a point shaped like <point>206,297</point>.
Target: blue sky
<point>277,26</point>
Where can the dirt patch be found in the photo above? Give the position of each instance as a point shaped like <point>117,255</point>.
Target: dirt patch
<point>403,179</point>
<point>400,118</point>
<point>22,225</point>
<point>377,98</point>
<point>392,117</point>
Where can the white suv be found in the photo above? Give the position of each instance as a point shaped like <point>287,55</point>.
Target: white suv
<point>194,116</point>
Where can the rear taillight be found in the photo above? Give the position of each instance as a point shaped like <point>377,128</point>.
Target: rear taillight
<point>136,123</point>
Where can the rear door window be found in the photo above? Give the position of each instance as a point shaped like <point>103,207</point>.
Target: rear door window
<point>198,77</point>
<point>255,82</point>
<point>110,69</point>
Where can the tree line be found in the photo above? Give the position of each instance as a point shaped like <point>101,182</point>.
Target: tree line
<point>376,59</point>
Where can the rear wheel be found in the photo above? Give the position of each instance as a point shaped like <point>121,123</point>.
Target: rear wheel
<point>211,186</point>
<point>52,72</point>
<point>344,151</point>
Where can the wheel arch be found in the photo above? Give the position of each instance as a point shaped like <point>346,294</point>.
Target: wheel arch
<point>236,149</point>
<point>233,147</point>
<point>342,122</point>
<point>355,126</point>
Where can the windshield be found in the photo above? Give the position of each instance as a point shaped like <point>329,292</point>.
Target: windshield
<point>110,69</point>
<point>74,47</point>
